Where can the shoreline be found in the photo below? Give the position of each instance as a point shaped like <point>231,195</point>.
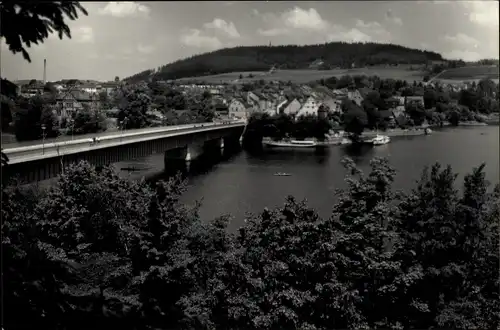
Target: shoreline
<point>415,131</point>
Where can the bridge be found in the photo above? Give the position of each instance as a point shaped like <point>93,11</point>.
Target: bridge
<point>184,142</point>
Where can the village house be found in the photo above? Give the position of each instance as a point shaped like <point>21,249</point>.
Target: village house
<point>290,107</point>
<point>388,117</point>
<point>397,112</point>
<point>340,93</point>
<point>32,89</point>
<point>316,64</point>
<point>88,88</point>
<point>70,102</point>
<point>238,108</point>
<point>414,99</point>
<point>220,106</point>
<point>334,106</point>
<point>260,101</point>
<point>392,102</point>
<point>355,96</point>
<point>310,107</point>
<point>396,104</point>
<point>306,90</point>
<point>109,87</point>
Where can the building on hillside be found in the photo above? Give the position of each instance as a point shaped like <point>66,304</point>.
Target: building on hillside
<point>414,99</point>
<point>392,102</point>
<point>401,100</point>
<point>109,87</point>
<point>69,103</point>
<point>325,91</point>
<point>364,91</point>
<point>214,90</point>
<point>388,117</point>
<point>307,90</point>
<point>88,88</point>
<point>239,108</point>
<point>316,64</point>
<point>340,93</point>
<point>260,101</point>
<point>220,106</point>
<point>397,112</point>
<point>291,107</point>
<point>333,105</point>
<point>32,90</point>
<point>355,96</point>
<point>310,107</point>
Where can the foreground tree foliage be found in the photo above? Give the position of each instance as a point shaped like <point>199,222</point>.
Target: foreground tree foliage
<point>24,24</point>
<point>97,251</point>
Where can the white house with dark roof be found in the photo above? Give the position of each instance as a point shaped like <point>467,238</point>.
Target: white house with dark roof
<point>310,107</point>
<point>291,107</point>
<point>72,101</point>
<point>414,99</point>
<point>260,101</point>
<point>89,88</point>
<point>238,108</point>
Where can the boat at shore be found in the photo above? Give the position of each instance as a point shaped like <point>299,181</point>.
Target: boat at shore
<point>290,144</point>
<point>380,140</point>
<point>345,141</point>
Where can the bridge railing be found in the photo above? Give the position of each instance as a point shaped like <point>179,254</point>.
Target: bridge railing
<point>56,149</point>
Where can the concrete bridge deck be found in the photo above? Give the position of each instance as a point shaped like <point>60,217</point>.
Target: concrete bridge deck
<point>56,148</point>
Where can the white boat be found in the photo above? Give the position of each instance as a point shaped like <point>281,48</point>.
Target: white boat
<point>290,144</point>
<point>380,139</point>
<point>345,141</point>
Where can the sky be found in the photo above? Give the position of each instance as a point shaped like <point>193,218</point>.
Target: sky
<point>124,38</point>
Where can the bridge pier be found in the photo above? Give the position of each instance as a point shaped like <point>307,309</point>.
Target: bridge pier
<point>182,156</point>
<point>215,146</point>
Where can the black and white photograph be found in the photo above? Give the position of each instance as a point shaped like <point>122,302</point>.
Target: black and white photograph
<point>250,165</point>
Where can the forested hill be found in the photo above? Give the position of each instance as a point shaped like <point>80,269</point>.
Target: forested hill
<point>256,58</point>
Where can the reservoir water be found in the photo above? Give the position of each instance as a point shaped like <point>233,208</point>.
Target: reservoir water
<point>245,182</point>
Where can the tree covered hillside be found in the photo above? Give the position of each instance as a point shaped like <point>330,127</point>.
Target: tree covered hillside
<point>256,58</point>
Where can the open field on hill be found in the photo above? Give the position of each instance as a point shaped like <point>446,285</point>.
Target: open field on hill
<point>468,73</point>
<point>305,76</point>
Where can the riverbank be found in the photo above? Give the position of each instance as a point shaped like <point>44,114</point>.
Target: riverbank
<point>395,132</point>
<point>415,131</point>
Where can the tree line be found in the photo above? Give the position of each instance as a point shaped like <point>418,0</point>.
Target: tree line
<point>281,126</point>
<point>262,58</point>
<point>97,251</point>
<point>133,106</point>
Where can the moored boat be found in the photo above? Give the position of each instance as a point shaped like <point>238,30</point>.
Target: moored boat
<point>290,144</point>
<point>380,140</point>
<point>345,141</point>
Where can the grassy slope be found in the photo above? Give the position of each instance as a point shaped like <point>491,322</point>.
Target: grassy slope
<point>305,76</point>
<point>468,73</point>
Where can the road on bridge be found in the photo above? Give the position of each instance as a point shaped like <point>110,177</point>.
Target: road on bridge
<point>64,138</point>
